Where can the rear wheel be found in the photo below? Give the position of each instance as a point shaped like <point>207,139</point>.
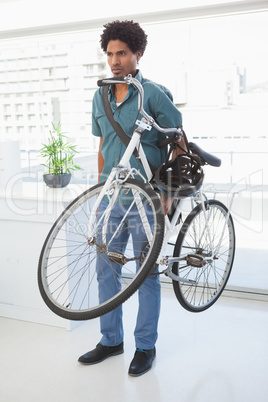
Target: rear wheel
<point>207,243</point>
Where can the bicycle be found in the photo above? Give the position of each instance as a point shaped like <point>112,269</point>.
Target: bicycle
<point>203,244</point>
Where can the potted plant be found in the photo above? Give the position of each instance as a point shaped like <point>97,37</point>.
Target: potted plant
<point>59,154</point>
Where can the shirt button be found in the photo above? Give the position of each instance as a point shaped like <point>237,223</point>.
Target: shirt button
<point>119,142</point>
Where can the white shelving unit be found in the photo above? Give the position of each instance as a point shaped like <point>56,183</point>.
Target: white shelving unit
<point>27,215</point>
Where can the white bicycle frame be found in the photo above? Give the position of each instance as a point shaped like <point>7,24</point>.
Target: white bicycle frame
<point>123,171</point>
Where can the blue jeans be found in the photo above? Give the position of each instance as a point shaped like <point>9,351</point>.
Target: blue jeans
<point>111,325</point>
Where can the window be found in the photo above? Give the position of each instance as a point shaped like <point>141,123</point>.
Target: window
<point>216,69</point>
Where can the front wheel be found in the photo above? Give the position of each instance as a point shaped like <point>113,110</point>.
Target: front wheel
<point>86,270</point>
<point>207,243</point>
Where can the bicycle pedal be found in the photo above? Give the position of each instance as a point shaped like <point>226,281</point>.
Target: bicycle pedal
<point>117,258</point>
<point>195,260</point>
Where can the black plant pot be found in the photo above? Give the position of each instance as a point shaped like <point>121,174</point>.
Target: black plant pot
<point>57,180</point>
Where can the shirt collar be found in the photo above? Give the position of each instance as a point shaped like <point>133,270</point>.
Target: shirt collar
<point>139,76</point>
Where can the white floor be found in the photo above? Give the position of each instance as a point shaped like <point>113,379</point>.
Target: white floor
<point>220,355</point>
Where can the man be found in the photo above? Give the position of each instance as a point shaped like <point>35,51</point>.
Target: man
<point>124,43</point>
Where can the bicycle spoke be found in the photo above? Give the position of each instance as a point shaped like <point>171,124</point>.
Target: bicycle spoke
<point>202,235</point>
<point>73,264</point>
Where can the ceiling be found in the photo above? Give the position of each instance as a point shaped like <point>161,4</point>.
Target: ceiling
<point>34,17</point>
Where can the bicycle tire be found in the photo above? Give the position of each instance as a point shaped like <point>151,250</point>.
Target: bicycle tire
<point>207,281</point>
<point>67,269</point>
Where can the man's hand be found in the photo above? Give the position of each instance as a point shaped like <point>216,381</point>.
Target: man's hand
<point>166,202</point>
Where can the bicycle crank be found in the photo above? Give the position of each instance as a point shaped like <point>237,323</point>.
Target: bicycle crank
<point>119,258</point>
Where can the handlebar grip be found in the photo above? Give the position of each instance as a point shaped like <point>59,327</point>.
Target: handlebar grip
<point>108,81</point>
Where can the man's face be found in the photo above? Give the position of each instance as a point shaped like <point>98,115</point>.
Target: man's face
<point>121,59</point>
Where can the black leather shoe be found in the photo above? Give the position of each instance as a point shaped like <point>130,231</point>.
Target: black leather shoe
<point>101,353</point>
<point>142,362</point>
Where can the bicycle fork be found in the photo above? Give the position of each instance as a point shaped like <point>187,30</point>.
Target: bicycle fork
<point>103,222</point>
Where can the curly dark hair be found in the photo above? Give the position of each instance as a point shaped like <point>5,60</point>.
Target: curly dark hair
<point>126,31</point>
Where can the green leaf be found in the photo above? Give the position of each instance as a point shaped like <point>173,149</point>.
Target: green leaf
<point>58,153</point>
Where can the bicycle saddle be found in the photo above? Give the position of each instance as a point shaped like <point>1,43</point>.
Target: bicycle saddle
<point>208,158</point>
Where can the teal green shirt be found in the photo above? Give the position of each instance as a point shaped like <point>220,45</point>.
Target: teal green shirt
<point>158,103</point>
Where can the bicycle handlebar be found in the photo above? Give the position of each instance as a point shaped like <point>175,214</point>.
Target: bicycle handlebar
<point>128,79</point>
<point>113,80</point>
